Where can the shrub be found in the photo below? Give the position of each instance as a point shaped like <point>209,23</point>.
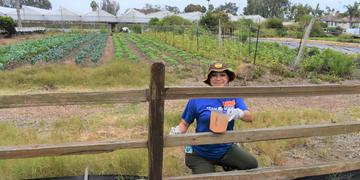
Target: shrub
<point>258,71</point>
<point>345,38</point>
<point>329,62</point>
<point>274,23</point>
<point>154,22</point>
<point>336,31</point>
<point>8,25</point>
<point>174,20</point>
<point>279,69</point>
<point>136,28</point>
<point>269,33</point>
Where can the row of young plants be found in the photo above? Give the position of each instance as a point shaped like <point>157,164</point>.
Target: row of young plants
<point>272,56</point>
<point>57,53</point>
<point>122,49</point>
<point>149,48</point>
<point>93,50</point>
<point>118,46</point>
<point>55,48</point>
<point>152,46</point>
<point>27,49</point>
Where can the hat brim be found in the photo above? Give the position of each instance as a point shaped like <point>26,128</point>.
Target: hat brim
<point>230,74</point>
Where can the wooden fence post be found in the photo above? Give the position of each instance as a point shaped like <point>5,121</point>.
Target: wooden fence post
<point>156,121</point>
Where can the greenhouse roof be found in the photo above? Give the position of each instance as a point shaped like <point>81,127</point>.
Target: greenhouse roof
<point>160,14</point>
<point>62,12</point>
<point>131,12</point>
<point>99,12</point>
<point>6,10</point>
<point>192,16</point>
<point>35,10</point>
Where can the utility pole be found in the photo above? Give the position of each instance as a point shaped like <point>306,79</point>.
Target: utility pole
<point>17,3</point>
<point>306,36</point>
<point>219,36</point>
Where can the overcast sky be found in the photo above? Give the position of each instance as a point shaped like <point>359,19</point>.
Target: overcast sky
<point>83,6</point>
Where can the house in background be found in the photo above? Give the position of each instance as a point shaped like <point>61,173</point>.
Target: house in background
<point>343,22</point>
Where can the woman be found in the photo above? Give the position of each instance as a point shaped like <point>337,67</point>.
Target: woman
<point>203,158</point>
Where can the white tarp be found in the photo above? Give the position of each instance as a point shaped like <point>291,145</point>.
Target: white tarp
<point>192,16</point>
<point>62,14</point>
<point>99,16</point>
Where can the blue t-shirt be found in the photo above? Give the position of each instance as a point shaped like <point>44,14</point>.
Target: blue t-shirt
<point>200,109</point>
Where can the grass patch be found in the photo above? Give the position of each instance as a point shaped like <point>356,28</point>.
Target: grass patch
<point>130,122</point>
<point>115,74</point>
<point>355,112</point>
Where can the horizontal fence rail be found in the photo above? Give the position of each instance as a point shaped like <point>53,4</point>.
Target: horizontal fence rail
<point>250,135</point>
<point>263,134</point>
<point>171,93</point>
<point>72,98</point>
<point>278,173</point>
<point>16,152</point>
<point>260,91</point>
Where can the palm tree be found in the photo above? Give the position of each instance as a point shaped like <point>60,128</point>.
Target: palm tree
<point>353,11</point>
<point>94,6</point>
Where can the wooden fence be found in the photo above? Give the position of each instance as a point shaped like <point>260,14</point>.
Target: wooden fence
<point>156,95</point>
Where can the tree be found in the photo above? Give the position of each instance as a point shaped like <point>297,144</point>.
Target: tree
<point>330,11</point>
<point>44,4</point>
<point>228,8</point>
<point>8,25</point>
<point>173,9</point>
<point>94,6</point>
<point>352,11</point>
<point>210,20</point>
<point>154,21</point>
<point>211,7</point>
<point>149,9</point>
<point>193,8</point>
<point>297,11</point>
<point>266,8</point>
<point>111,7</point>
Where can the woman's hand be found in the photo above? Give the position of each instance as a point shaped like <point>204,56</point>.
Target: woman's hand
<point>179,129</point>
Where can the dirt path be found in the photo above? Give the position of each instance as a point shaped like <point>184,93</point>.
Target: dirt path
<point>355,45</point>
<point>108,53</point>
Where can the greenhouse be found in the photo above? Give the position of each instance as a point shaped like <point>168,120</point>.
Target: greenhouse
<point>131,15</point>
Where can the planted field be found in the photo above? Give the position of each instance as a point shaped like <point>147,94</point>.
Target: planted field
<point>53,49</point>
<point>186,58</point>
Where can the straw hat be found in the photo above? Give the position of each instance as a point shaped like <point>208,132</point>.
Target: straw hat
<point>219,67</point>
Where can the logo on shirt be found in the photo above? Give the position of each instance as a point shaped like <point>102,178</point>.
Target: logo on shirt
<point>227,105</point>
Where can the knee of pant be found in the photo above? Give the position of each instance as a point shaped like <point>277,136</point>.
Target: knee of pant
<point>252,163</point>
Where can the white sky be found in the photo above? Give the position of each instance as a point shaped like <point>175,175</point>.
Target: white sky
<point>83,6</point>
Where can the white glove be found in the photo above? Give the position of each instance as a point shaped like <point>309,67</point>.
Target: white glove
<point>235,113</point>
<point>175,130</point>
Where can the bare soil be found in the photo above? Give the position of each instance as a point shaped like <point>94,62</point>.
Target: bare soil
<point>19,38</point>
<point>108,53</point>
